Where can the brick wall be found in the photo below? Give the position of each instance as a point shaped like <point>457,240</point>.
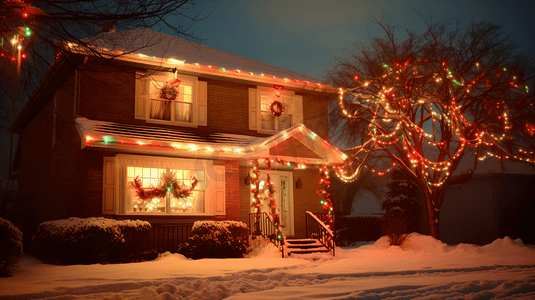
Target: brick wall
<point>305,198</point>
<point>315,112</point>
<point>50,174</point>
<point>232,193</point>
<point>108,94</point>
<point>245,195</point>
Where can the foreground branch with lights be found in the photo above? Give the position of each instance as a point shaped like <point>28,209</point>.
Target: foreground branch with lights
<point>424,104</point>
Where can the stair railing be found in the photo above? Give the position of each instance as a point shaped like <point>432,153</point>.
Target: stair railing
<point>265,227</point>
<point>316,229</point>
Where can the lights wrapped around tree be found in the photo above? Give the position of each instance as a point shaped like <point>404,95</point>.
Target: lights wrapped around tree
<point>167,183</point>
<point>324,191</point>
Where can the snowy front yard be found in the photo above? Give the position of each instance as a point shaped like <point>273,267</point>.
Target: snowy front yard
<point>424,268</point>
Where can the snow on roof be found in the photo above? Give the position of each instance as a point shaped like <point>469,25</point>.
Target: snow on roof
<point>163,46</point>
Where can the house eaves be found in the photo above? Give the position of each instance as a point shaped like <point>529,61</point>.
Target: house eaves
<point>56,75</point>
<point>183,143</point>
<point>162,51</point>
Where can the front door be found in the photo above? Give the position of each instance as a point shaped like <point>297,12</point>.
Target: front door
<point>283,183</point>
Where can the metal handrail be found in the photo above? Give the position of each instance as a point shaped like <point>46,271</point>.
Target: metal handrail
<point>316,229</point>
<point>266,228</point>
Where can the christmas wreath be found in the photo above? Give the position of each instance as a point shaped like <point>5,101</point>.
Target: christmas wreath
<point>170,90</point>
<point>277,109</point>
<point>168,182</point>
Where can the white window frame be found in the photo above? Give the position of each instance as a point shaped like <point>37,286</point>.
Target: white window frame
<point>295,109</point>
<point>116,178</point>
<point>198,101</point>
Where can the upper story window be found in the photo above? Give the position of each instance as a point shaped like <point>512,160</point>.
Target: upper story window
<point>179,109</point>
<point>271,122</point>
<point>186,106</point>
<point>261,116</point>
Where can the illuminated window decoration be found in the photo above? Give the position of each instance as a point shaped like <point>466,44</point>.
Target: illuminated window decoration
<point>160,191</point>
<point>171,99</point>
<point>276,108</point>
<point>275,112</point>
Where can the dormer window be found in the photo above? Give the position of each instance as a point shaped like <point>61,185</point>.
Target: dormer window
<point>166,98</point>
<point>261,116</point>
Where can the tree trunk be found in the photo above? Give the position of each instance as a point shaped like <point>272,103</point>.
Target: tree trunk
<point>432,212</point>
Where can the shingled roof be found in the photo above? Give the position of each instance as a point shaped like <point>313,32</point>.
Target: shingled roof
<point>163,46</point>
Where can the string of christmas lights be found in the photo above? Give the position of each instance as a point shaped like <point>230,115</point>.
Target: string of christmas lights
<point>398,110</point>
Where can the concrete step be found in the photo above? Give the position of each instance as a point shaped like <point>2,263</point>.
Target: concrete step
<point>316,244</point>
<point>307,251</point>
<point>301,241</point>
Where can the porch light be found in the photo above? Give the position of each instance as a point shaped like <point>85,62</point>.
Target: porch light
<point>298,183</point>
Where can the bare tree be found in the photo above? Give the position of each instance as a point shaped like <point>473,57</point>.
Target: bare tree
<point>30,30</point>
<point>424,102</point>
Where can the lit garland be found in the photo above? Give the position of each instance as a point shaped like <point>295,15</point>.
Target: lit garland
<point>257,198</point>
<point>150,197</point>
<point>324,191</point>
<point>392,97</point>
<point>274,216</point>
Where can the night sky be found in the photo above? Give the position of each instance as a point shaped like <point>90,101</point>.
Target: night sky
<point>304,36</point>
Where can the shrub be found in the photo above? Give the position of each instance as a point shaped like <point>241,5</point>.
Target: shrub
<point>10,247</point>
<point>216,239</point>
<point>395,226</point>
<point>87,241</point>
<point>351,229</point>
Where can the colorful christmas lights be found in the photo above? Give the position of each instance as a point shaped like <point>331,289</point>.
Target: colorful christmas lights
<point>399,110</point>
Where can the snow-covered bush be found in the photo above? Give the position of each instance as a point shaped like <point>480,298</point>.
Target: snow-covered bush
<point>216,239</point>
<point>395,226</point>
<point>10,247</point>
<point>86,240</point>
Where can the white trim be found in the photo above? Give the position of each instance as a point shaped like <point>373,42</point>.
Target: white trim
<point>247,148</point>
<point>291,203</point>
<point>199,69</point>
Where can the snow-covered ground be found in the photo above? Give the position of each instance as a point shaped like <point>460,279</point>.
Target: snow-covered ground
<point>423,268</point>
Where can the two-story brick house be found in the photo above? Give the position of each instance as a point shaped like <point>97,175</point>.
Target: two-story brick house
<point>95,124</point>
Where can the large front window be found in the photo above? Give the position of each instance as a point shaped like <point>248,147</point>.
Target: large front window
<point>169,204</point>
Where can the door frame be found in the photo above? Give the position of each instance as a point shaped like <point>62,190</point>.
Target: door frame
<point>290,230</point>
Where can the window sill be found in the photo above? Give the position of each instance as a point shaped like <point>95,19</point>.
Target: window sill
<point>272,132</point>
<point>165,215</point>
<point>182,124</point>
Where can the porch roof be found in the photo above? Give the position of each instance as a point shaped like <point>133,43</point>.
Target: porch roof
<point>297,144</point>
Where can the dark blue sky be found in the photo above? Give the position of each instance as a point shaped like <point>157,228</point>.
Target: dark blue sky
<point>303,36</point>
